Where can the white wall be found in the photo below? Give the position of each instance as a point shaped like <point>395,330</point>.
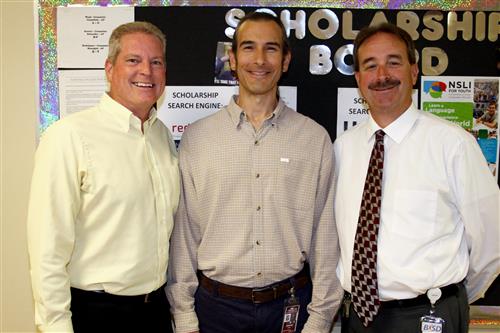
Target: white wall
<point>17,146</point>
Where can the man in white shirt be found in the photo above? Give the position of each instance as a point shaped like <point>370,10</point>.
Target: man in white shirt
<point>439,212</point>
<point>104,191</point>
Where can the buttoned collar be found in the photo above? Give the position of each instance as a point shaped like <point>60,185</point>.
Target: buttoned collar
<point>398,129</point>
<point>123,117</point>
<point>238,115</point>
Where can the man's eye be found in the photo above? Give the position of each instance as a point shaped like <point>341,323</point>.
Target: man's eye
<point>157,62</point>
<point>133,61</point>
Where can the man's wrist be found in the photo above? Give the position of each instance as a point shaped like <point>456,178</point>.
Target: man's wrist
<point>186,322</point>
<point>64,326</point>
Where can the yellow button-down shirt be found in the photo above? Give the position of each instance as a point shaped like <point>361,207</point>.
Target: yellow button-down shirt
<point>103,197</point>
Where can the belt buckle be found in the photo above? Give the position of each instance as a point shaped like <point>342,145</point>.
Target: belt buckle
<point>258,290</point>
<point>254,301</point>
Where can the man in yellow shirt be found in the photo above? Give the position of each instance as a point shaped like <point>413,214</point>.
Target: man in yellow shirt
<point>104,191</point>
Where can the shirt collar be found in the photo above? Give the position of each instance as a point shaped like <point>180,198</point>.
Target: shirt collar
<point>399,128</point>
<point>237,114</point>
<point>123,117</point>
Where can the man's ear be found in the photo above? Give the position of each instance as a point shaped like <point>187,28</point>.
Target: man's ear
<point>286,61</point>
<point>232,60</point>
<point>108,68</point>
<point>414,73</point>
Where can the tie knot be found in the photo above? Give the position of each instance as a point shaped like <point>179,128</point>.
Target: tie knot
<point>379,136</point>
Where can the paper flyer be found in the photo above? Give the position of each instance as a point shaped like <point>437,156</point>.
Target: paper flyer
<point>80,89</point>
<point>83,34</point>
<point>182,105</point>
<point>472,103</point>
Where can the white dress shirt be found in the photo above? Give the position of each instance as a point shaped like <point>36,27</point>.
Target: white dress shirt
<point>440,206</point>
<point>103,197</point>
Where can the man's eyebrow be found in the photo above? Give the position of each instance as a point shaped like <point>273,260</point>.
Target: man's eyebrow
<point>397,56</point>
<point>246,42</point>
<point>367,60</point>
<point>273,44</point>
<point>249,42</point>
<point>390,56</point>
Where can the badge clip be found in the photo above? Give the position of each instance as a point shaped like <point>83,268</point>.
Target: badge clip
<point>432,323</point>
<point>290,313</point>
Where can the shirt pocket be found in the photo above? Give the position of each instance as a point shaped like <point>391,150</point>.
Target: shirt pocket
<point>414,213</point>
<point>296,182</point>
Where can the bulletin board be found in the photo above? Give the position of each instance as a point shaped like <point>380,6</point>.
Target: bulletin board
<point>457,44</point>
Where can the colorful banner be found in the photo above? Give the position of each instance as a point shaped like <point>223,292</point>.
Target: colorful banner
<point>470,102</point>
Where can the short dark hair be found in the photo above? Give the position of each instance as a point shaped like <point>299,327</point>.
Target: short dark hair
<point>261,16</point>
<point>388,28</point>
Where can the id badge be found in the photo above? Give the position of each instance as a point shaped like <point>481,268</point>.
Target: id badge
<point>290,315</point>
<point>431,324</point>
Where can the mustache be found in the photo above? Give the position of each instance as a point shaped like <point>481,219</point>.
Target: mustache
<point>384,84</point>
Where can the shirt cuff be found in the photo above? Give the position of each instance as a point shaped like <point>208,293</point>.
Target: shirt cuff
<point>316,324</point>
<point>65,326</point>
<point>186,322</point>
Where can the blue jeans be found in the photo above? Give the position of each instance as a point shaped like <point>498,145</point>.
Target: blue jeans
<point>219,314</point>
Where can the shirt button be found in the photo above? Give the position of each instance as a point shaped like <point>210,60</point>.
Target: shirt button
<point>259,274</point>
<point>257,242</point>
<point>258,208</point>
<point>256,142</point>
<point>257,175</point>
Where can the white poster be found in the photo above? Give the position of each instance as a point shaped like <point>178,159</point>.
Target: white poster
<point>471,102</point>
<point>83,34</point>
<point>182,105</point>
<point>80,89</point>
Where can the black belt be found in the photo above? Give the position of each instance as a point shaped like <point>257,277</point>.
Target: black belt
<point>97,295</point>
<point>256,295</point>
<point>448,291</point>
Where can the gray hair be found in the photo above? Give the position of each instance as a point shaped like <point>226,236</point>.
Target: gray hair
<point>130,28</point>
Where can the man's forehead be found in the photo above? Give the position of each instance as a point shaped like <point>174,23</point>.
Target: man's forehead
<point>370,48</point>
<point>132,43</point>
<point>252,30</point>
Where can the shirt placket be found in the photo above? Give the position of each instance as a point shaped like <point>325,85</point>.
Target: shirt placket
<point>160,201</point>
<point>259,206</point>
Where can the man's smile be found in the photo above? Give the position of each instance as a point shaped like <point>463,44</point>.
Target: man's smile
<point>143,84</point>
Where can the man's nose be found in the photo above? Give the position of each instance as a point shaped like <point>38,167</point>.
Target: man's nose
<point>260,56</point>
<point>145,68</point>
<point>382,71</point>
